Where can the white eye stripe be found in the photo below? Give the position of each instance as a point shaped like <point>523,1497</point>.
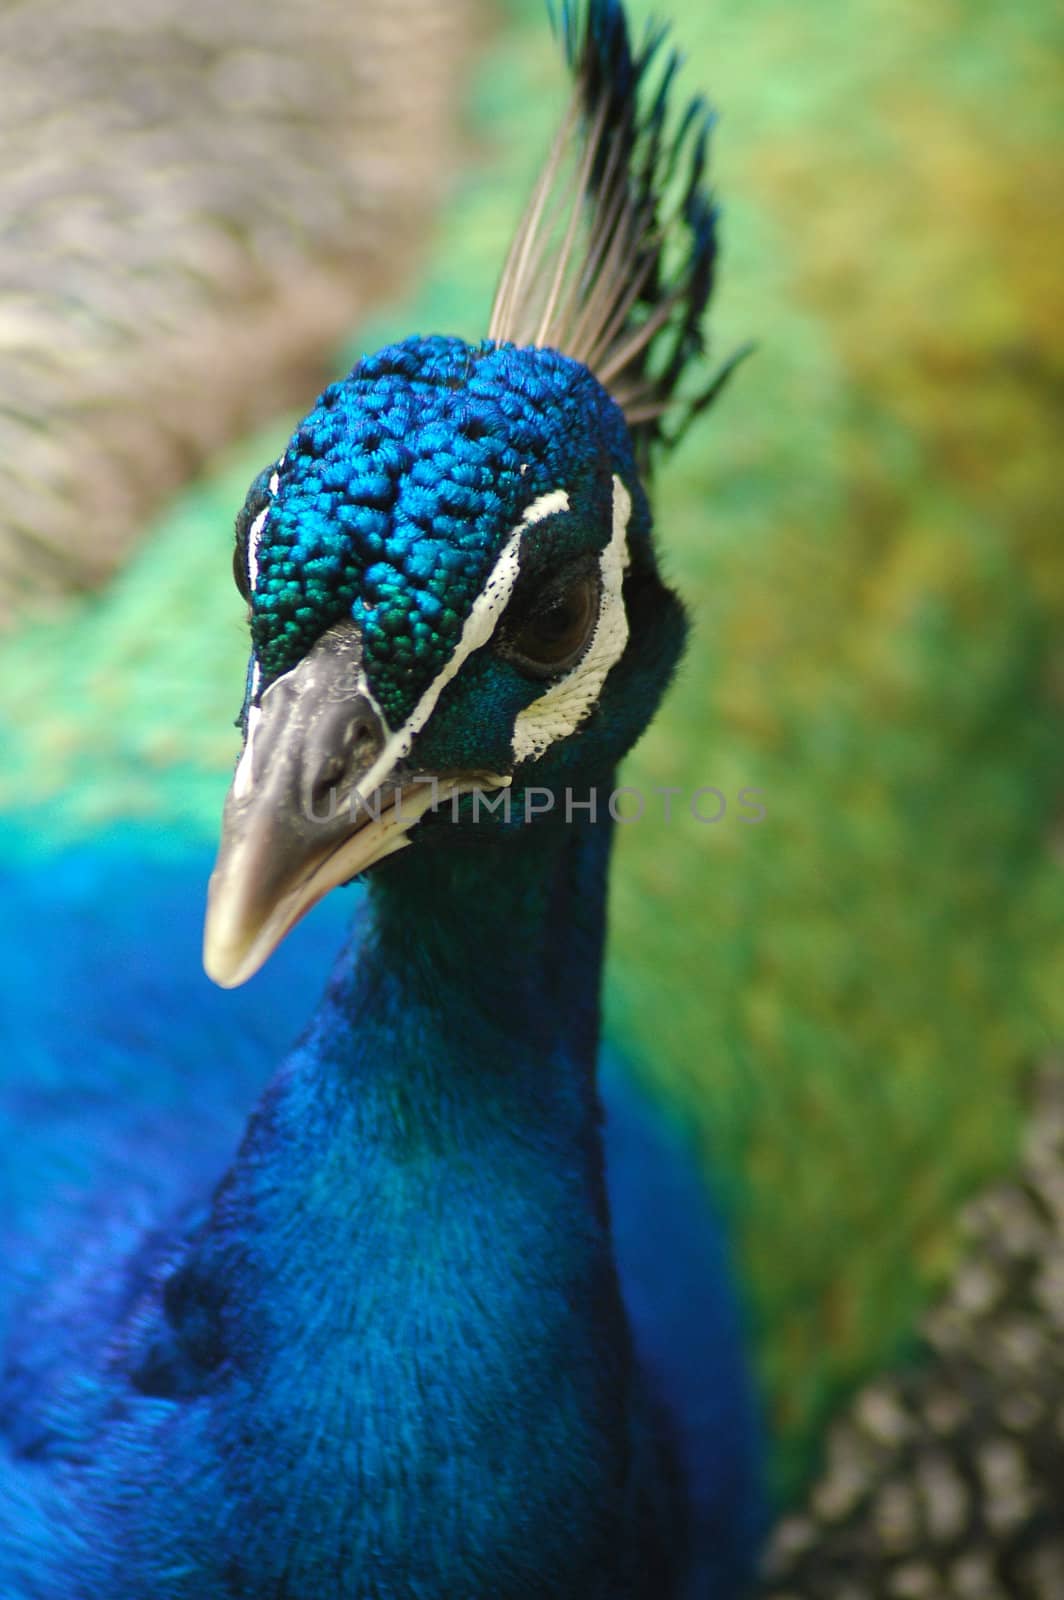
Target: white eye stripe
<point>242,776</point>
<point>546,506</point>
<point>479,626</point>
<point>481,623</point>
<point>560,711</point>
<point>255,531</point>
<point>254,535</point>
<point>608,641</point>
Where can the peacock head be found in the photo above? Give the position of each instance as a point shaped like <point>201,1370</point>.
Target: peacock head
<point>449,572</point>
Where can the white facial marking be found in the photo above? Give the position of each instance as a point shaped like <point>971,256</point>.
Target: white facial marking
<point>566,703</point>
<point>254,535</point>
<point>255,531</point>
<point>546,506</point>
<point>242,776</point>
<point>480,624</point>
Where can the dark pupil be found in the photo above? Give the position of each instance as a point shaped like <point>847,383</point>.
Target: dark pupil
<point>240,569</point>
<point>560,628</point>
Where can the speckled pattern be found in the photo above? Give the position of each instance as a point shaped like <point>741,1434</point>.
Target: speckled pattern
<point>397,492</point>
<point>947,1482</point>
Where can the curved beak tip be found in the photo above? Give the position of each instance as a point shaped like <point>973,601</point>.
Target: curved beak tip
<point>222,966</point>
<point>225,953</point>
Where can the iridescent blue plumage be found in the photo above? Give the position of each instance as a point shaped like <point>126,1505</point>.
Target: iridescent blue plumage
<point>114,1126</point>
<point>388,1341</point>
<point>394,495</point>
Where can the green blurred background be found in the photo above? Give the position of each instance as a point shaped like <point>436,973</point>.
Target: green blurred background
<point>844,1002</point>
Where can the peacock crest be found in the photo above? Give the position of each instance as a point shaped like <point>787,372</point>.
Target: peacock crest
<point>613,260</point>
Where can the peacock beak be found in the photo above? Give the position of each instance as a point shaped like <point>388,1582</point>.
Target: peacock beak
<point>316,799</point>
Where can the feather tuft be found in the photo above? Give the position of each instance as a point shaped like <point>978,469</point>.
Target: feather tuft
<point>613,261</point>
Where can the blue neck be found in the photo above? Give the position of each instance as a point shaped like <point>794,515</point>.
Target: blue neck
<point>414,1236</point>
<point>481,966</point>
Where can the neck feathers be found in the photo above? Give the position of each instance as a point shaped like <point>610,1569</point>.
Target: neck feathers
<point>414,1239</point>
<point>413,1247</point>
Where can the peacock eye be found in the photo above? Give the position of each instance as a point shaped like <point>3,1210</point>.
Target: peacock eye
<point>241,576</point>
<point>249,524</point>
<point>240,570</point>
<point>553,636</point>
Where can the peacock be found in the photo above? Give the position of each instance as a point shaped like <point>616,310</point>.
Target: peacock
<point>428,1302</point>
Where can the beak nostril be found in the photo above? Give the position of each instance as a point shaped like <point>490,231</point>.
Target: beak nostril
<point>365,744</point>
<point>358,734</point>
<point>322,794</point>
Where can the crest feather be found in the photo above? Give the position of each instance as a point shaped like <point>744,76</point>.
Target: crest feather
<point>612,263</point>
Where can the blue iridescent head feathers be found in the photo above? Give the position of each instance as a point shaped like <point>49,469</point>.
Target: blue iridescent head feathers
<point>392,500</point>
